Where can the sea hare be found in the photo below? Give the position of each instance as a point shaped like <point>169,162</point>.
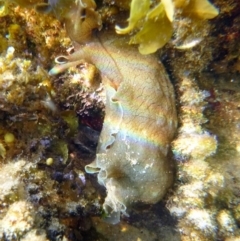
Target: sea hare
<point>139,124</point>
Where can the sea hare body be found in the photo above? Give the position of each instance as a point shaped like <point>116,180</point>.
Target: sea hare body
<point>139,124</point>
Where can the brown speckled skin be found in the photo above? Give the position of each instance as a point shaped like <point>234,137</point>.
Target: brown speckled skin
<point>139,124</point>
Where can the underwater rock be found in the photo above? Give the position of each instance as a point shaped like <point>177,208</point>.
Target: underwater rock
<point>124,231</point>
<point>17,220</point>
<point>139,124</point>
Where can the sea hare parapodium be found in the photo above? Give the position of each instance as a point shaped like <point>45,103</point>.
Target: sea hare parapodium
<point>139,124</point>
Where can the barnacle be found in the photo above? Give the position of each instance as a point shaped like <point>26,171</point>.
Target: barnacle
<point>155,24</point>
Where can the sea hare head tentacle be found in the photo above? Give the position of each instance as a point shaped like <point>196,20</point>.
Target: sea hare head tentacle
<point>62,59</point>
<point>62,67</point>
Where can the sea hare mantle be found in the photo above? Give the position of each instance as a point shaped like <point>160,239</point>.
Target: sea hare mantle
<point>139,124</point>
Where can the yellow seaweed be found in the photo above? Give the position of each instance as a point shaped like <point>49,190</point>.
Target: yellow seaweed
<point>155,23</point>
<point>156,13</point>
<point>180,3</point>
<point>155,33</point>
<point>202,9</point>
<point>169,8</point>
<point>138,10</point>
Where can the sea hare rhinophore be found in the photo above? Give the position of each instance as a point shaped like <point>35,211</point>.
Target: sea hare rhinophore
<point>139,124</point>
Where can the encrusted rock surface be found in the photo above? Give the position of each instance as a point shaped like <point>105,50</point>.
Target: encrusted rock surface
<point>50,126</point>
